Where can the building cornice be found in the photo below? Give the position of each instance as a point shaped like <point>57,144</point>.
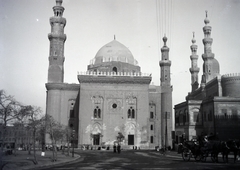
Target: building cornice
<point>62,86</point>
<point>114,79</point>
<point>120,78</point>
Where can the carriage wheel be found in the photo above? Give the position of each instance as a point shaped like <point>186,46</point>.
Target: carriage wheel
<point>186,155</point>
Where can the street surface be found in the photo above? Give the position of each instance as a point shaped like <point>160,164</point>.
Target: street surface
<point>138,160</point>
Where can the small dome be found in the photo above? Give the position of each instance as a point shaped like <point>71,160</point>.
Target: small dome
<point>114,51</point>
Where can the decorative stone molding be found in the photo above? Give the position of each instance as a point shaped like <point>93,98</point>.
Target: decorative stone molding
<point>114,79</point>
<point>62,86</point>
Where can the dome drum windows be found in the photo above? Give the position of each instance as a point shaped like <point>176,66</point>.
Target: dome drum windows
<point>114,69</point>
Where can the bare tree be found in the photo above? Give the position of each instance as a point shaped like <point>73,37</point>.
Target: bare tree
<point>67,139</point>
<point>56,132</point>
<point>34,122</point>
<point>9,111</point>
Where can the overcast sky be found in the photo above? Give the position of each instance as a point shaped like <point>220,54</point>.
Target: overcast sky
<point>138,24</point>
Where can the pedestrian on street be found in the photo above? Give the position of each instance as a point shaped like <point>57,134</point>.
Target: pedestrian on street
<point>114,148</point>
<point>119,148</point>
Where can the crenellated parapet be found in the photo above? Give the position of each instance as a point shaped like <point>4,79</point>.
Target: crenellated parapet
<point>126,74</point>
<point>112,77</point>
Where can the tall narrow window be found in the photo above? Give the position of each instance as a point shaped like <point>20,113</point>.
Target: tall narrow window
<point>97,113</point>
<point>151,139</point>
<point>151,115</point>
<point>151,127</point>
<point>71,113</point>
<point>131,113</point>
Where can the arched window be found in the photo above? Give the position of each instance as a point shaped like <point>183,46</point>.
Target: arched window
<point>131,113</point>
<point>151,139</point>
<point>151,127</point>
<point>97,113</point>
<point>114,69</point>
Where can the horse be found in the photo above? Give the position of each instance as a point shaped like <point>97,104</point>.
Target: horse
<point>219,147</point>
<point>233,146</point>
<point>211,145</point>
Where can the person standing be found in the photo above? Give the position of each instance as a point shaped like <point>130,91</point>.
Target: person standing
<point>119,148</point>
<point>114,148</point>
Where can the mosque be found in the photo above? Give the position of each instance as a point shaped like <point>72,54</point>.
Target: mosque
<point>113,95</point>
<point>213,107</point>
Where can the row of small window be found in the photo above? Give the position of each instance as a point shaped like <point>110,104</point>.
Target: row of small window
<point>130,113</point>
<point>182,117</point>
<point>97,113</point>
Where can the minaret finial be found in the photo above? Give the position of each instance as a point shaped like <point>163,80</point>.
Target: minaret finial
<point>206,21</point>
<point>114,37</point>
<point>58,2</point>
<point>165,40</point>
<point>193,40</point>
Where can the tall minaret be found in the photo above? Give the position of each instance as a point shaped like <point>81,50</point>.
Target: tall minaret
<point>57,39</point>
<point>194,70</point>
<point>166,96</point>
<point>210,65</point>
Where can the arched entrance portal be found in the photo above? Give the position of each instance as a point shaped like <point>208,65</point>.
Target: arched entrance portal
<point>96,139</point>
<point>96,134</point>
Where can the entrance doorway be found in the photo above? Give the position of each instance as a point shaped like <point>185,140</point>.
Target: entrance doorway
<point>96,139</point>
<point>130,139</point>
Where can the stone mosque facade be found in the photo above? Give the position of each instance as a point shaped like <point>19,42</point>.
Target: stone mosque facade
<point>113,96</point>
<point>213,107</point>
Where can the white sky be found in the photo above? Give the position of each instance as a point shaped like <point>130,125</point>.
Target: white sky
<point>24,45</point>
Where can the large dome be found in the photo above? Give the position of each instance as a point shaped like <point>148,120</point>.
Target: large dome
<point>114,51</point>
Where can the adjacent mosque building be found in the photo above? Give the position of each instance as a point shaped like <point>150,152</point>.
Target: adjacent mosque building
<point>112,96</point>
<point>213,107</point>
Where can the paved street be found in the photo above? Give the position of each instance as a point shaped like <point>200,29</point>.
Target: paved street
<point>137,160</point>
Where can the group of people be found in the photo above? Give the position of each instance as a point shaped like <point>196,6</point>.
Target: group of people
<point>116,148</point>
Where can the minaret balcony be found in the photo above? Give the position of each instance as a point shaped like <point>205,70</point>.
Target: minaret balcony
<point>194,57</point>
<point>207,28</point>
<point>62,37</point>
<point>194,69</point>
<point>165,63</point>
<point>59,20</point>
<point>207,40</point>
<point>207,56</point>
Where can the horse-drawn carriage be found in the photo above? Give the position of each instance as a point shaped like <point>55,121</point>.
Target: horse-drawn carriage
<point>201,149</point>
